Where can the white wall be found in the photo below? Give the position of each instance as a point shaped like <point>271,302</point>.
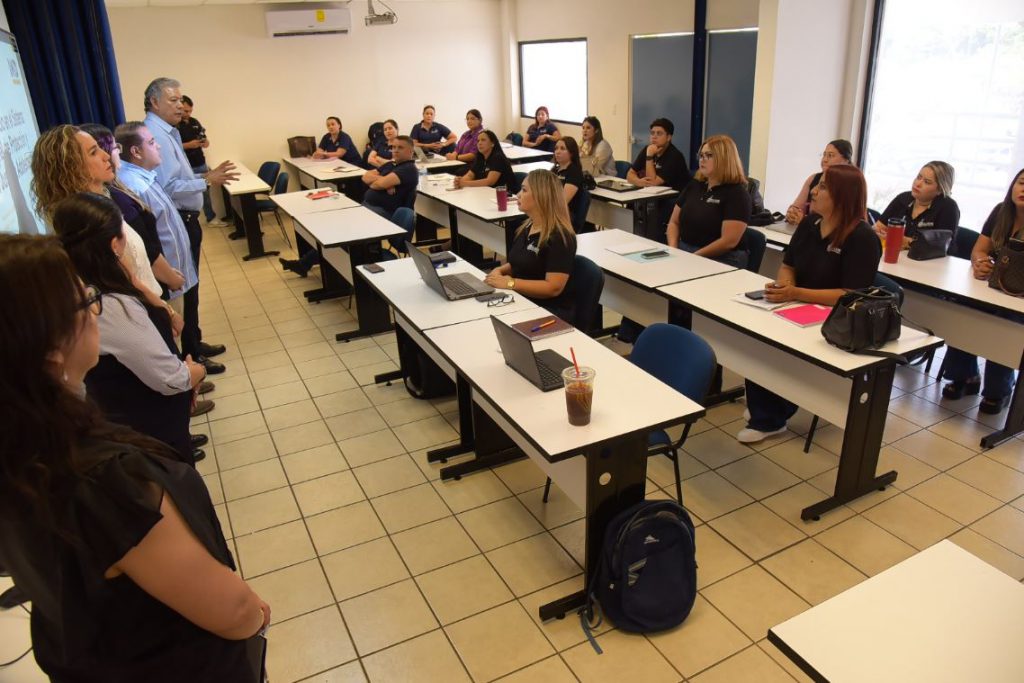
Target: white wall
<point>3,19</point>
<point>253,92</point>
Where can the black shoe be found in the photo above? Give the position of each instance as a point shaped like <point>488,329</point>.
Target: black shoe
<point>198,455</point>
<point>12,597</point>
<point>959,388</point>
<point>206,387</point>
<point>293,266</point>
<point>993,406</point>
<point>212,366</point>
<point>211,350</point>
<point>198,440</point>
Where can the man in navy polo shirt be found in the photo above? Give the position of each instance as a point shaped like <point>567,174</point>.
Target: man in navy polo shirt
<point>393,185</point>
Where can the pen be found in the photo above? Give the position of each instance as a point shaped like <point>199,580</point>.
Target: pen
<point>543,325</point>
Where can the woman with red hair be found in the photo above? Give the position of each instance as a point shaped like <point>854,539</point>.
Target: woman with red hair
<point>832,251</point>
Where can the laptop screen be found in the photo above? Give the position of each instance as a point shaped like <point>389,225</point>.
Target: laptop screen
<point>426,268</point>
<point>518,351</point>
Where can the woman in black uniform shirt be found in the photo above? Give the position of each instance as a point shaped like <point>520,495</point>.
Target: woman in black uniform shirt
<point>115,542</point>
<point>544,249</point>
<point>833,250</point>
<point>569,170</point>
<point>927,206</point>
<point>542,134</point>
<point>337,144</point>
<point>381,153</point>
<point>490,167</point>
<point>836,153</point>
<point>711,214</point>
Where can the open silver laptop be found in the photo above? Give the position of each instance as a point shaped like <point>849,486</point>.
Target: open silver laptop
<point>422,154</point>
<point>451,287</point>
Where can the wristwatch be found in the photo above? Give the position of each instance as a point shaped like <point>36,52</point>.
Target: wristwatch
<point>511,284</point>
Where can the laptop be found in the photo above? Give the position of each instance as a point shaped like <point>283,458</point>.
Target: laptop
<point>616,185</point>
<point>422,154</point>
<point>543,368</point>
<point>451,287</point>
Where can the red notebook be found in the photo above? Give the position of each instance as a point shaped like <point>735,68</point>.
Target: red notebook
<point>806,315</point>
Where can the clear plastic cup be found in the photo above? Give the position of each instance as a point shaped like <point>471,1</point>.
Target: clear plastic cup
<point>579,394</point>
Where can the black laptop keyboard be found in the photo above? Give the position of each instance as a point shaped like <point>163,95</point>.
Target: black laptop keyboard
<point>549,377</point>
<point>457,286</point>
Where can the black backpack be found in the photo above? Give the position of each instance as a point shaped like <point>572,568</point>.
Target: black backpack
<point>647,577</point>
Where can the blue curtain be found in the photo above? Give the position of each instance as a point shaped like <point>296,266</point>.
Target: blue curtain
<point>68,55</point>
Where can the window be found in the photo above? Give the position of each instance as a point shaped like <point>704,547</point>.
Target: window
<point>553,74</point>
<point>947,85</point>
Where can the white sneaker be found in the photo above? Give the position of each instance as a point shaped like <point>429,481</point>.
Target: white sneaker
<point>218,223</point>
<point>748,435</point>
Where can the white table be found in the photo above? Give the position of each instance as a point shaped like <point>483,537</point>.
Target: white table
<point>799,365</point>
<point>518,154</point>
<point>532,166</point>
<point>943,295</point>
<point>941,616</point>
<point>625,210</point>
<point>312,173</point>
<point>631,287</point>
<point>471,212</point>
<point>240,196</point>
<point>299,203</point>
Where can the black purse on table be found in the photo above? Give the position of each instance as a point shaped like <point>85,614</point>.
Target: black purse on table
<point>863,320</point>
<point>930,244</point>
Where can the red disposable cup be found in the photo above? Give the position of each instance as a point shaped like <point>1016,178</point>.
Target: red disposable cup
<point>502,198</point>
<point>893,243</point>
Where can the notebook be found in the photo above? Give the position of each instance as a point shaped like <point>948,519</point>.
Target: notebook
<point>805,315</point>
<point>542,327</point>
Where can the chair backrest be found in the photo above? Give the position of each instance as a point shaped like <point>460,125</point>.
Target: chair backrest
<point>887,283</point>
<point>622,168</point>
<point>268,172</point>
<point>963,243</point>
<point>281,185</point>
<point>754,242</point>
<point>515,138</point>
<point>405,218</point>
<point>756,200</point>
<point>586,282</point>
<point>520,177</point>
<point>579,215</point>
<point>676,356</point>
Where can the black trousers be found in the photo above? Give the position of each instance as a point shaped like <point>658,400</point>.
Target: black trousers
<point>191,335</point>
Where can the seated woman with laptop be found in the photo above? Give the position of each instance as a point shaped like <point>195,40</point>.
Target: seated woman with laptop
<point>431,136</point>
<point>927,206</point>
<point>490,167</point>
<point>833,250</point>
<point>544,249</point>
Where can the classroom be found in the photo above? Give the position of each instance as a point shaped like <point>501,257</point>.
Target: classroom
<point>512,340</point>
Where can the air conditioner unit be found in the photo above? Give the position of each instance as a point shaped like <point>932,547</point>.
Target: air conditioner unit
<point>308,22</point>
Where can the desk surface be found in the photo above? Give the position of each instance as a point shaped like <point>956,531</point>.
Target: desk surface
<point>714,297</point>
<point>247,183</point>
<point>514,152</point>
<point>326,169</point>
<point>951,275</point>
<point>533,166</point>
<point>774,232</point>
<point>940,616</point>
<point>630,196</point>
<point>298,204</point>
<point>678,266</point>
<point>481,202</point>
<point>401,286</point>
<point>626,399</point>
<point>335,228</point>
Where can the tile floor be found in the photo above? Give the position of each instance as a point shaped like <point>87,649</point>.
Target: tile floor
<point>378,571</point>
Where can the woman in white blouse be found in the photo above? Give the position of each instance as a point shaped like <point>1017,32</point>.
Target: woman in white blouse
<point>595,153</point>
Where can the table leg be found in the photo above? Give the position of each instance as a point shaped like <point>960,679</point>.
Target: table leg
<point>334,285</point>
<point>251,227</point>
<point>1014,417</point>
<point>862,439</point>
<point>372,311</point>
<point>464,396</point>
<point>616,478</point>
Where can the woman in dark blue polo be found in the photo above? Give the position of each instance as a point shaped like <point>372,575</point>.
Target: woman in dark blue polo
<point>381,152</point>
<point>432,136</point>
<point>337,144</point>
<point>542,134</point>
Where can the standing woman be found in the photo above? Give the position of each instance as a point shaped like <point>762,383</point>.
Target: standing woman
<point>337,144</point>
<point>381,152</point>
<point>432,136</point>
<point>1006,222</point>
<point>927,206</point>
<point>542,134</point>
<point>712,213</point>
<point>568,169</point>
<point>595,153</point>
<point>115,542</point>
<point>140,381</point>
<point>832,251</point>
<point>544,249</point>
<point>490,168</point>
<point>837,152</point>
<point>465,148</point>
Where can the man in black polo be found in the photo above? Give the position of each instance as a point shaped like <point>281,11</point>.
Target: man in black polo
<point>194,141</point>
<point>393,185</point>
<point>660,163</point>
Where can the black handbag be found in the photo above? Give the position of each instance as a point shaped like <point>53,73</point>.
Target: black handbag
<point>930,244</point>
<point>301,146</point>
<point>1008,272</point>
<point>863,320</point>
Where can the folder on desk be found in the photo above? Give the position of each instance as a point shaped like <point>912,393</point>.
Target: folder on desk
<point>806,315</point>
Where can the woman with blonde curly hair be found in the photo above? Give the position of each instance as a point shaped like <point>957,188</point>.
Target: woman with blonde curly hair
<point>544,249</point>
<point>66,161</point>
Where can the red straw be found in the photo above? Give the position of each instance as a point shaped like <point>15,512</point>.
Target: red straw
<point>571,351</point>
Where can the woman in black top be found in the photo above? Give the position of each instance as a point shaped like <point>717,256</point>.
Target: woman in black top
<point>836,153</point>
<point>542,134</point>
<point>381,153</point>
<point>337,144</point>
<point>544,249</point>
<point>569,170</point>
<point>490,168</point>
<point>432,136</point>
<point>115,542</point>
<point>833,250</point>
<point>711,214</point>
<point>1004,223</point>
<point>927,206</point>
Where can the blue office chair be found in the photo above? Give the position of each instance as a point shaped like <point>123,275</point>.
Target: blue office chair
<point>963,243</point>
<point>622,168</point>
<point>405,218</point>
<point>268,172</point>
<point>579,215</point>
<point>268,205</point>
<point>754,243</point>
<point>520,177</point>
<point>515,138</point>
<point>586,282</point>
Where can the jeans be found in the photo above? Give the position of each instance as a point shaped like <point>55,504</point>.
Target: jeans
<point>961,366</point>
<point>207,206</point>
<point>308,260</point>
<point>768,411</point>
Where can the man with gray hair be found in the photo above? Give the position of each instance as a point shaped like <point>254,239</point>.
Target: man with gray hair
<point>185,188</point>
